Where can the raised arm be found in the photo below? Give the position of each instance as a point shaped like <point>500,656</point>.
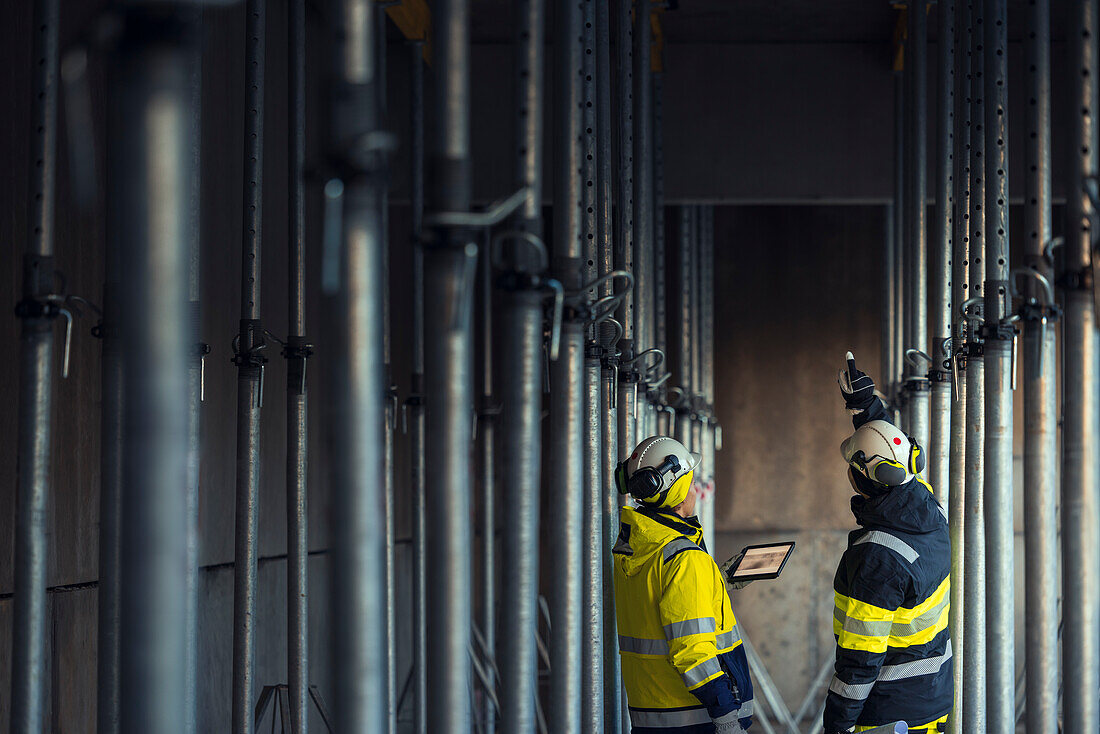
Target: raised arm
<point>858,390</point>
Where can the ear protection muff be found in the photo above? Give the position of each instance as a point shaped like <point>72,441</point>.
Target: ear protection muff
<point>916,457</point>
<point>648,481</point>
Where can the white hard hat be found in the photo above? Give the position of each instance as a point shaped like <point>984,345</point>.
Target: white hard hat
<point>652,470</point>
<point>883,453</point>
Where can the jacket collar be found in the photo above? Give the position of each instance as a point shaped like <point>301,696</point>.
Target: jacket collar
<point>687,525</point>
<point>910,508</point>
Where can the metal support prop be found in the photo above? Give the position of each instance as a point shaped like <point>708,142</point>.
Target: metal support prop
<point>660,281</point>
<point>567,398</point>
<point>486,475</point>
<point>28,671</point>
<point>974,602</point>
<point>624,208</point>
<point>685,352</point>
<point>1080,443</point>
<point>195,393</point>
<point>1040,397</point>
<point>897,242</point>
<point>887,331</point>
<point>389,394</point>
<point>999,346</point>
<point>592,610</point>
<point>520,393</point>
<point>296,352</point>
<point>960,264</point>
<point>608,334</point>
<point>705,283</point>
<point>939,287</point>
<point>353,267</point>
<point>151,169</point>
<point>916,269</point>
<point>643,200</point>
<point>415,402</point>
<point>250,367</point>
<point>449,268</point>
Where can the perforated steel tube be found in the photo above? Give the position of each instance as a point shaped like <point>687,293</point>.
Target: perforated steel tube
<point>974,663</point>
<point>1080,447</point>
<point>960,265</point>
<point>917,386</point>
<point>1000,578</point>
<point>1040,398</point>
<point>939,274</point>
<point>28,671</point>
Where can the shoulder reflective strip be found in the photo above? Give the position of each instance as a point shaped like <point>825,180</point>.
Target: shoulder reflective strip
<point>678,545</point>
<point>727,640</point>
<point>669,719</point>
<point>856,692</point>
<point>642,646</point>
<point>687,627</point>
<point>895,544</point>
<point>701,672</point>
<point>915,668</point>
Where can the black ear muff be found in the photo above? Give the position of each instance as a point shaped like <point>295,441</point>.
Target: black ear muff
<point>916,457</point>
<point>888,473</point>
<point>645,483</point>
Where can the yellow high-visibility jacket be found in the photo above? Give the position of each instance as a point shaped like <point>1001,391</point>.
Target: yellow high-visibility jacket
<point>683,663</point>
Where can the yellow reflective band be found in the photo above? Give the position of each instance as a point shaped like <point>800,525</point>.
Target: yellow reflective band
<point>923,622</point>
<point>865,618</point>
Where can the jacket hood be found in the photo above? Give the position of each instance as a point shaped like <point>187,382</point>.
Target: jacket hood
<point>909,508</point>
<point>644,531</point>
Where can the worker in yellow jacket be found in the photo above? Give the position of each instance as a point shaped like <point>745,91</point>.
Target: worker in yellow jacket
<point>684,667</point>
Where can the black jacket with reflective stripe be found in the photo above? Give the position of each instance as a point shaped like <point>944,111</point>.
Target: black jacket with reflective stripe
<point>892,594</point>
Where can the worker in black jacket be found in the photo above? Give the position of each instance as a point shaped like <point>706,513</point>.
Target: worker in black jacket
<point>892,588</point>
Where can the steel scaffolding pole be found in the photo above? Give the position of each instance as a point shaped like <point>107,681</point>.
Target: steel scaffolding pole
<point>415,402</point>
<point>593,550</point>
<point>897,241</point>
<point>705,283</point>
<point>974,602</point>
<point>151,168</point>
<point>643,205</point>
<point>1040,395</point>
<point>521,390</point>
<point>296,352</point>
<point>960,265</point>
<point>250,366</point>
<point>1080,443</point>
<point>609,336</point>
<point>916,382</point>
<point>28,671</point>
<point>389,394</point>
<point>999,336</point>
<point>660,280</point>
<point>684,353</point>
<point>939,290</point>
<point>624,206</point>
<point>486,475</point>
<point>352,274</point>
<point>565,467</point>
<point>449,265</point>
<point>887,333</point>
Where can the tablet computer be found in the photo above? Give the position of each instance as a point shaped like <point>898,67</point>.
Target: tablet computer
<point>757,562</point>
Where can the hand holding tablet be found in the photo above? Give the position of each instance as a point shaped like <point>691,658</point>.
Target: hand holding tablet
<point>756,562</point>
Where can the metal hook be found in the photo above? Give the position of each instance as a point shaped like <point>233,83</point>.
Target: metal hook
<point>1049,247</point>
<point>497,212</point>
<point>965,309</point>
<point>1031,272</point>
<point>68,340</point>
<point>516,235</point>
<point>912,354</point>
<point>644,352</point>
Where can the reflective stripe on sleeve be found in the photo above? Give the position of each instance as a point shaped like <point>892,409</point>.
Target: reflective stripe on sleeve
<point>746,709</point>
<point>686,627</point>
<point>677,545</point>
<point>865,627</point>
<point>699,674</point>
<point>892,542</point>
<point>915,668</point>
<point>726,640</point>
<point>642,646</point>
<point>669,719</point>
<point>855,692</point>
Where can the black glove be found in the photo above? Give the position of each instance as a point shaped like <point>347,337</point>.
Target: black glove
<point>858,389</point>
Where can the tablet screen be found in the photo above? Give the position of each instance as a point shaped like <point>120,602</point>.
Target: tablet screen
<point>761,562</point>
